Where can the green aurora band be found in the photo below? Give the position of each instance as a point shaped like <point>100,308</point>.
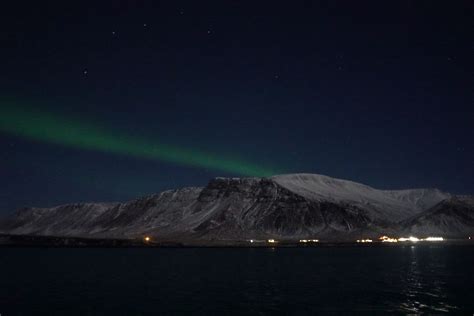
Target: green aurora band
<point>50,128</point>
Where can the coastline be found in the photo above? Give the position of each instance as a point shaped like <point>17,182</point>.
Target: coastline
<point>26,241</point>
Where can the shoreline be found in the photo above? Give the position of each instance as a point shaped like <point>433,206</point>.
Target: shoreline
<point>32,241</point>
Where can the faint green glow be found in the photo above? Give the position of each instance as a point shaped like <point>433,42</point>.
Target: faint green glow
<point>47,127</point>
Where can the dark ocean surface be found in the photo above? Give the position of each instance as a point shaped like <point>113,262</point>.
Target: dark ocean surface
<point>293,281</point>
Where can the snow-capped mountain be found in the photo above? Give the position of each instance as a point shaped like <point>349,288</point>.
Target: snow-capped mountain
<point>286,207</point>
<point>451,217</point>
<point>387,205</point>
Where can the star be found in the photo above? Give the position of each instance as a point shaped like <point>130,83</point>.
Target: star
<point>144,24</point>
<point>277,76</point>
<point>85,72</point>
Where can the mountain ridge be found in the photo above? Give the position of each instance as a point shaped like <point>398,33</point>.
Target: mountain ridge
<point>284,206</point>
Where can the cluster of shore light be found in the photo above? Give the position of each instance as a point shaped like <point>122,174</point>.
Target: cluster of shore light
<point>308,240</point>
<point>364,240</point>
<point>402,239</point>
<point>273,241</point>
<point>382,239</point>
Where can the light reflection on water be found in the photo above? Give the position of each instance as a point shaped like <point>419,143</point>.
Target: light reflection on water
<point>298,281</point>
<point>424,290</point>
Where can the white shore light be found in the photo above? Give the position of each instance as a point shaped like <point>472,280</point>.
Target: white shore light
<point>364,240</point>
<point>271,241</point>
<point>434,239</point>
<point>416,239</point>
<point>411,238</point>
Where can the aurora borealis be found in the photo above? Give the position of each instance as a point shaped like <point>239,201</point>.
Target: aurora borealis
<point>47,127</point>
<point>118,99</point>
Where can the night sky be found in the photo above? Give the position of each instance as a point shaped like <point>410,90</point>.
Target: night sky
<point>111,100</point>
